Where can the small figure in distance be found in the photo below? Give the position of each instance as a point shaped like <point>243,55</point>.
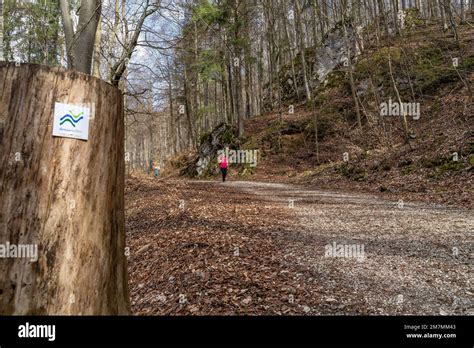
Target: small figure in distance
<point>223,165</point>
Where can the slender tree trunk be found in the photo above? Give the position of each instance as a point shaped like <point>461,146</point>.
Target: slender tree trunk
<point>237,64</point>
<point>111,38</point>
<point>2,51</point>
<point>238,100</point>
<point>292,57</point>
<point>395,16</point>
<point>301,31</point>
<point>404,116</point>
<point>351,74</point>
<point>192,137</point>
<point>321,19</point>
<point>443,14</point>
<point>97,45</point>
<point>170,101</point>
<point>381,6</point>
<point>449,13</point>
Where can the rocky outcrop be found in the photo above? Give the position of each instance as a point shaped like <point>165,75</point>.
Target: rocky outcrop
<point>205,162</point>
<point>322,60</point>
<point>333,53</point>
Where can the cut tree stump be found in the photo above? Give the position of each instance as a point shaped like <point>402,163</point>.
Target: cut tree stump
<point>66,196</point>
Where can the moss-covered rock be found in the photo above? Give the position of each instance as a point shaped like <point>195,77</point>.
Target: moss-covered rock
<point>471,160</point>
<point>205,162</point>
<point>246,170</point>
<point>413,18</point>
<point>353,171</point>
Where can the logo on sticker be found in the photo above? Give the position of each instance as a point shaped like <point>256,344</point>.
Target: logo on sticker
<point>71,118</point>
<point>71,121</point>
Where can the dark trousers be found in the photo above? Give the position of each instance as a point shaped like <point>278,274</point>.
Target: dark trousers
<point>224,173</point>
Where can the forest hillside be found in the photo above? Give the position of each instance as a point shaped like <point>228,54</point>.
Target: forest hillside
<point>430,158</point>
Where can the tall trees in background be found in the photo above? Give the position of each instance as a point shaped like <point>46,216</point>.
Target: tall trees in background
<point>278,42</point>
<point>210,61</point>
<point>31,32</point>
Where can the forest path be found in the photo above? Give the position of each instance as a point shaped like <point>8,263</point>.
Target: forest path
<point>240,247</point>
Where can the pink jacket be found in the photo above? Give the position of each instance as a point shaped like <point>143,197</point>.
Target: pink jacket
<point>223,163</point>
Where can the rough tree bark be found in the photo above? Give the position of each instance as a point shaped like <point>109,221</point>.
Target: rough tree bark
<point>64,195</point>
<point>1,31</point>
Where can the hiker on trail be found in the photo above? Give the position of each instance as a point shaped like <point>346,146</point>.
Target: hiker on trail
<point>223,165</point>
<point>156,171</point>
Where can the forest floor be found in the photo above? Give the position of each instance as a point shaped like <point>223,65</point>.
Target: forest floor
<point>254,248</point>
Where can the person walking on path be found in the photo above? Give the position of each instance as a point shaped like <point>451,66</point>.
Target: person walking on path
<point>223,165</point>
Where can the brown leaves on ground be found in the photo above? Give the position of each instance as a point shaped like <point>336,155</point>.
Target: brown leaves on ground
<point>204,248</point>
<point>197,251</point>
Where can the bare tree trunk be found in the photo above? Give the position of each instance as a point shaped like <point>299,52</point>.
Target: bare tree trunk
<point>452,21</point>
<point>238,99</point>
<point>54,196</point>
<point>2,57</point>
<point>302,49</point>
<point>111,37</point>
<point>80,44</point>
<point>381,6</point>
<point>404,116</point>
<point>395,16</point>
<point>170,101</point>
<point>96,64</point>
<point>230,89</point>
<point>349,60</point>
<point>321,19</point>
<point>292,57</point>
<point>443,15</point>
<point>192,137</point>
<point>237,65</point>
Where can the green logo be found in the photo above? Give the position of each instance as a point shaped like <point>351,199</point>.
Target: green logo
<point>71,118</point>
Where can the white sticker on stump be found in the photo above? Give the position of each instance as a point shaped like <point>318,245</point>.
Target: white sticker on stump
<point>71,121</point>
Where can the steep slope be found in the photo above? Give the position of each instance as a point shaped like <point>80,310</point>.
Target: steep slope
<point>435,165</point>
<point>429,159</point>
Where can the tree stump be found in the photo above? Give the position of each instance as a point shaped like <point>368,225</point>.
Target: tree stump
<point>66,196</point>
